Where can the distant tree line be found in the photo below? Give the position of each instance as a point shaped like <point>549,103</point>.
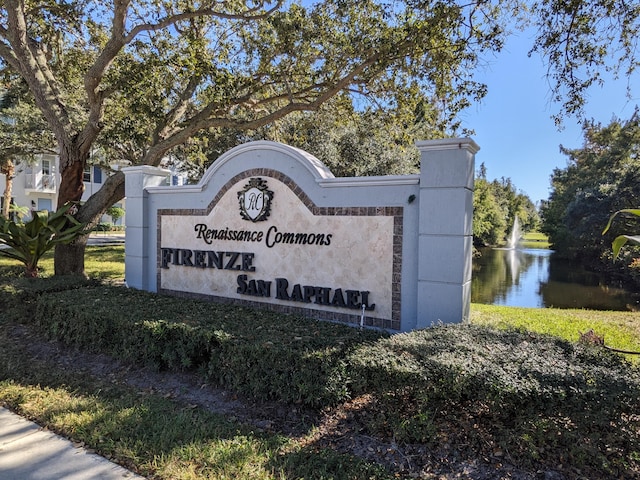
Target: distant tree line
<point>601,177</point>
<point>496,204</point>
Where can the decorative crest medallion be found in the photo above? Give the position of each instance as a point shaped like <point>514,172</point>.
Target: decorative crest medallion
<point>255,200</point>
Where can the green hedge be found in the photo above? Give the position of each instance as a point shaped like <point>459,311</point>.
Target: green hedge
<point>535,396</point>
<point>108,227</point>
<point>19,295</point>
<point>262,354</point>
<point>513,376</point>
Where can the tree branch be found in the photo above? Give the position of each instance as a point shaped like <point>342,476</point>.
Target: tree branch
<point>29,62</point>
<point>248,15</point>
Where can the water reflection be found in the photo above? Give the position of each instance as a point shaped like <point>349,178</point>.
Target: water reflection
<point>535,278</point>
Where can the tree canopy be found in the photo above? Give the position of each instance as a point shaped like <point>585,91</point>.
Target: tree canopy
<point>138,79</point>
<point>581,42</point>
<point>602,177</point>
<point>23,132</point>
<point>350,142</point>
<point>143,77</point>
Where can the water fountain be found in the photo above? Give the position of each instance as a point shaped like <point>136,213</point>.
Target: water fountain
<point>516,233</point>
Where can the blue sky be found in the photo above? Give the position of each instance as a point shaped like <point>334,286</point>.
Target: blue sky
<point>513,125</point>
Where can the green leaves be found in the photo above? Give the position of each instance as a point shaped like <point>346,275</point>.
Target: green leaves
<point>621,240</point>
<point>583,42</point>
<point>28,241</point>
<point>601,177</point>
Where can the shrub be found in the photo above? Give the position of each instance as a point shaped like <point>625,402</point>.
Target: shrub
<point>538,397</point>
<point>116,213</point>
<point>506,389</point>
<point>19,295</point>
<point>262,354</point>
<point>28,242</point>
<point>103,227</point>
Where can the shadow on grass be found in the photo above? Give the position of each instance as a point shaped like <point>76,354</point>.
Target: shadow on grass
<point>539,400</point>
<point>154,435</point>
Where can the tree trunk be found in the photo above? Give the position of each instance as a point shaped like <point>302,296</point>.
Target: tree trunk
<point>72,178</point>
<point>8,169</point>
<point>69,259</point>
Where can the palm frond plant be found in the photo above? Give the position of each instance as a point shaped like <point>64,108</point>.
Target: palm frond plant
<point>28,241</point>
<point>621,240</point>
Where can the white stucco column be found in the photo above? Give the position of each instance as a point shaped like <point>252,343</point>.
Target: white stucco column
<point>445,234</point>
<point>137,179</point>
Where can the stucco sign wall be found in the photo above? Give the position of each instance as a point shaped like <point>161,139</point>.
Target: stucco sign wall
<point>286,252</point>
<point>269,226</point>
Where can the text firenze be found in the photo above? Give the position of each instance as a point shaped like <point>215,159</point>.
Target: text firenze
<point>271,238</point>
<point>207,259</point>
<point>243,261</point>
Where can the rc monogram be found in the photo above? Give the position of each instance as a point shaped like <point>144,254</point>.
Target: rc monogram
<point>255,200</point>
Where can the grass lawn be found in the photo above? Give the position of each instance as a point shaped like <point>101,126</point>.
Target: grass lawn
<point>534,240</point>
<point>620,330</point>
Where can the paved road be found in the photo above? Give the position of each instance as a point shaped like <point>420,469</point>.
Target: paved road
<point>99,239</point>
<point>104,239</point>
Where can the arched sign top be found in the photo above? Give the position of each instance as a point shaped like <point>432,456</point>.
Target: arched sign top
<point>314,166</point>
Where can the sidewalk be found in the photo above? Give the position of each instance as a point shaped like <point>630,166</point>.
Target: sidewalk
<point>29,453</point>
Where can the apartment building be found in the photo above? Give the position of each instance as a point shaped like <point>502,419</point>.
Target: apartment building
<point>36,184</point>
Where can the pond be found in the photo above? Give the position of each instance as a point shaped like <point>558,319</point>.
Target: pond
<point>536,278</point>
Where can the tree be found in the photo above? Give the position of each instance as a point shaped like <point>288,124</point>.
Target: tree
<point>515,204</point>
<point>23,132</point>
<point>142,78</point>
<point>115,213</point>
<point>361,143</point>
<point>601,177</point>
<point>495,207</point>
<point>583,41</point>
<point>351,142</point>
<point>489,220</point>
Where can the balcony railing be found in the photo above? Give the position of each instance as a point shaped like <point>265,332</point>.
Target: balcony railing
<point>40,182</point>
